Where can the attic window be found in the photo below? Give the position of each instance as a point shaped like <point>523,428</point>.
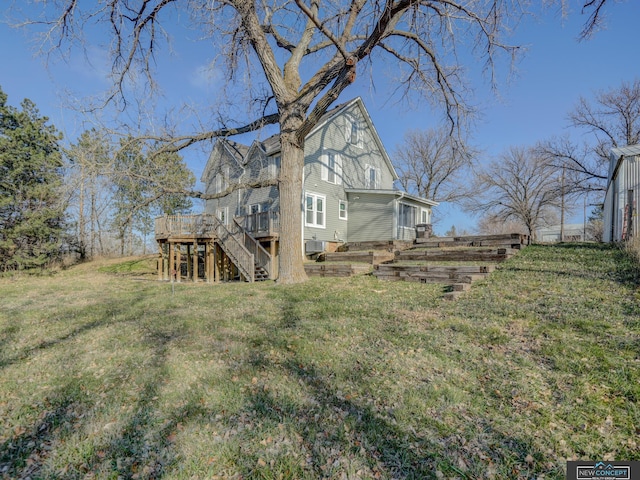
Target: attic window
<point>353,132</point>
<point>372,177</point>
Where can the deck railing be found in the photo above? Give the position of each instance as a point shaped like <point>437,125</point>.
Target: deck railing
<point>201,225</point>
<point>261,223</point>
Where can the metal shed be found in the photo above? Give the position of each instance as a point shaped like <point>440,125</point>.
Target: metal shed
<point>623,194</point>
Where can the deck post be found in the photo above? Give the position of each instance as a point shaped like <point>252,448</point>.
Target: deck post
<point>195,260</point>
<point>160,264</point>
<point>189,263</point>
<point>172,261</point>
<point>178,263</point>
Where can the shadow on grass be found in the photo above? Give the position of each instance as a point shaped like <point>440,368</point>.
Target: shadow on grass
<point>140,449</point>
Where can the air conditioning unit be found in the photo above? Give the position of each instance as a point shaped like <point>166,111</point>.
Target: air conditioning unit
<point>313,246</point>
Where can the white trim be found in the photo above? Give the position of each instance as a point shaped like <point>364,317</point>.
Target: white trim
<point>367,177</point>
<point>346,210</point>
<point>422,212</point>
<point>336,170</point>
<point>314,210</point>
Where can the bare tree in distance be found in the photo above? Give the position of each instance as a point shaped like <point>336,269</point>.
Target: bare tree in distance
<point>518,186</point>
<point>490,224</point>
<point>611,119</point>
<point>431,163</point>
<point>271,46</point>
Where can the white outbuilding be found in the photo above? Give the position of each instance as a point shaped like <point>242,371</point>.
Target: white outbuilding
<point>623,194</point>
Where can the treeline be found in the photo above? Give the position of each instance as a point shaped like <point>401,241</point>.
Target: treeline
<point>97,197</point>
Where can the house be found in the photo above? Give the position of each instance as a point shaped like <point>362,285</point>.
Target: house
<point>348,196</point>
<point>623,194</point>
<point>349,193</point>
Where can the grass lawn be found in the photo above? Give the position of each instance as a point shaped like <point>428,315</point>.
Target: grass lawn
<point>105,374</point>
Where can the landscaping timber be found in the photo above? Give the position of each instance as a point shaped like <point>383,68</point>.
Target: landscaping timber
<point>373,257</point>
<point>456,255</point>
<point>336,269</point>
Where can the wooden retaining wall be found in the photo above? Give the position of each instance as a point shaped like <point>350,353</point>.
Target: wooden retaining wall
<point>371,257</point>
<point>335,269</point>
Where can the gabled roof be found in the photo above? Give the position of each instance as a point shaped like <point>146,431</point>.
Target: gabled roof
<point>358,101</point>
<point>271,144</point>
<point>238,151</point>
<point>616,156</point>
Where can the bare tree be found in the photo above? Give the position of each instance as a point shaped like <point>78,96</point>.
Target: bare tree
<point>611,119</point>
<point>432,163</point>
<point>518,186</point>
<point>491,224</point>
<point>89,190</point>
<point>271,46</point>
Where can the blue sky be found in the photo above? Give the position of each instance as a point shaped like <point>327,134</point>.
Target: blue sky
<point>532,106</point>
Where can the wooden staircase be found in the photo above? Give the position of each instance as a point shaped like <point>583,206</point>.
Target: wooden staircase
<point>252,261</point>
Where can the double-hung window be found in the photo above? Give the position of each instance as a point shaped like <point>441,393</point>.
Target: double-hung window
<point>332,168</point>
<point>342,209</point>
<point>274,166</point>
<point>222,180</point>
<point>314,210</point>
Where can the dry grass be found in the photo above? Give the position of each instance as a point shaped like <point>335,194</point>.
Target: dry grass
<point>109,375</point>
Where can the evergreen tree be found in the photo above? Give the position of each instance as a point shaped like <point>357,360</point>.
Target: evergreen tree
<point>31,209</point>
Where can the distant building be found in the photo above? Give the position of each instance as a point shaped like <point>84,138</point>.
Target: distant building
<point>573,232</point>
<point>623,194</point>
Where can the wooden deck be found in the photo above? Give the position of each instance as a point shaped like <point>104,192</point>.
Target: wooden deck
<point>201,247</point>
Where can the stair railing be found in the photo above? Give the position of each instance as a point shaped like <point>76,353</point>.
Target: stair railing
<point>240,256</point>
<point>261,257</point>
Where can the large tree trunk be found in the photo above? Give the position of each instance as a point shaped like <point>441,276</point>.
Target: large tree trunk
<point>291,180</point>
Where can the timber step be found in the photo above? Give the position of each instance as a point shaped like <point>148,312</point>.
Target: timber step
<point>509,240</point>
<point>447,275</point>
<point>389,246</point>
<point>457,255</point>
<point>373,257</point>
<point>336,269</point>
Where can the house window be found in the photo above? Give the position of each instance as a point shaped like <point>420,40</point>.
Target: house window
<point>353,132</point>
<point>407,216</point>
<point>314,210</point>
<point>424,215</point>
<point>223,215</point>
<point>342,209</point>
<point>372,177</point>
<point>274,166</point>
<point>221,181</point>
<point>332,168</point>
<point>255,208</point>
